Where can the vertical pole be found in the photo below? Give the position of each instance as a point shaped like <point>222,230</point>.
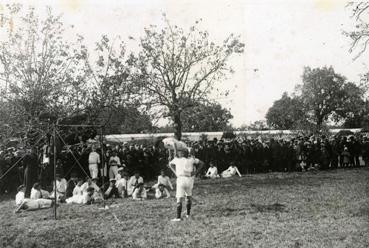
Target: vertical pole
<point>54,171</point>
<point>103,163</point>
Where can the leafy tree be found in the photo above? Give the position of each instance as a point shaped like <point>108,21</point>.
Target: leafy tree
<point>176,68</point>
<point>41,71</point>
<point>206,118</point>
<point>286,113</point>
<point>322,93</point>
<point>126,120</point>
<point>258,126</point>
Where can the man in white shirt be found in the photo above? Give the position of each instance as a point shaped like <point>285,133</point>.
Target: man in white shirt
<point>185,169</point>
<point>212,171</point>
<point>113,169</point>
<point>38,193</point>
<point>122,184</point>
<point>165,184</point>
<point>61,188</point>
<point>136,187</point>
<point>93,162</point>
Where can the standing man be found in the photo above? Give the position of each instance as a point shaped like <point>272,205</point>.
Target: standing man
<point>185,169</point>
<point>93,161</point>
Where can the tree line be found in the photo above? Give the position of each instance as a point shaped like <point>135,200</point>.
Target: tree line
<point>49,75</point>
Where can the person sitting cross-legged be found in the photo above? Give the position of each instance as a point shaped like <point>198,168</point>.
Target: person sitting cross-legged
<point>136,187</point>
<point>38,193</point>
<point>231,171</point>
<point>212,171</point>
<point>97,194</point>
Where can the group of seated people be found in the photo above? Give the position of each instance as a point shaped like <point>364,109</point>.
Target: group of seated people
<point>79,191</point>
<point>212,172</point>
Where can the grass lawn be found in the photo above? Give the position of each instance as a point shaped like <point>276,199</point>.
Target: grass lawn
<point>321,209</point>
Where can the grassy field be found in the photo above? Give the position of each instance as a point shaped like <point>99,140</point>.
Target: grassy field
<point>322,209</point>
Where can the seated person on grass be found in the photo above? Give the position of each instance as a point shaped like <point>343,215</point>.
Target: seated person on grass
<point>97,194</point>
<point>78,189</point>
<point>112,190</point>
<point>231,171</point>
<point>163,184</point>
<point>122,184</point>
<point>38,193</point>
<point>212,171</point>
<point>136,187</point>
<point>85,198</point>
<point>161,191</point>
<point>23,203</point>
<point>61,188</point>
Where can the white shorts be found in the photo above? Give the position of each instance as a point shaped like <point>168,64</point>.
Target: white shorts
<point>184,186</point>
<point>93,170</point>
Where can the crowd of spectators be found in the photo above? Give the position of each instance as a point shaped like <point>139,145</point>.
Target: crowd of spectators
<point>249,155</point>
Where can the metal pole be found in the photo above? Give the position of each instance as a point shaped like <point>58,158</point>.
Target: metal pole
<point>55,171</point>
<point>103,163</point>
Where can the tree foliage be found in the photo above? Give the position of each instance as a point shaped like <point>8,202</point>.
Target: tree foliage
<point>176,68</point>
<point>286,113</point>
<point>206,117</point>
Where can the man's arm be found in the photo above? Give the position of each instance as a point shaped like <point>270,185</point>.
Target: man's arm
<point>238,172</point>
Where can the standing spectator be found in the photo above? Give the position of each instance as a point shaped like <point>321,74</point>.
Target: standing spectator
<point>93,161</point>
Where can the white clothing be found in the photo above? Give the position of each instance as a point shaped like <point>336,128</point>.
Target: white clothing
<point>171,143</point>
<point>38,194</point>
<point>184,166</point>
<point>139,193</point>
<point>94,158</point>
<point>19,198</point>
<point>113,171</point>
<point>165,181</point>
<point>116,159</point>
<point>94,171</point>
<point>78,190</point>
<point>79,199</point>
<point>132,183</point>
<point>61,188</point>
<point>212,172</point>
<point>184,186</point>
<point>230,172</point>
<point>161,193</point>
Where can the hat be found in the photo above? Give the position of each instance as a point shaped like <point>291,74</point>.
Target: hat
<point>112,180</point>
<point>120,169</point>
<point>94,179</point>
<point>20,187</point>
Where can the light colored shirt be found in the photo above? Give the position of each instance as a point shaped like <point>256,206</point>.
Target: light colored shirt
<point>212,172</point>
<point>19,198</point>
<point>133,182</point>
<point>94,158</point>
<point>165,181</point>
<point>78,190</point>
<point>116,159</point>
<point>184,166</point>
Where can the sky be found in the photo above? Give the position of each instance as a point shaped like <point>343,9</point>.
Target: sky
<point>281,37</point>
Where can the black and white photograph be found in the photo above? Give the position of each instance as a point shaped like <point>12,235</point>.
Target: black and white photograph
<point>184,123</point>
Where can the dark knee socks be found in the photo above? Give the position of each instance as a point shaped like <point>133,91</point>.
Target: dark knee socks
<point>188,206</point>
<point>179,209</point>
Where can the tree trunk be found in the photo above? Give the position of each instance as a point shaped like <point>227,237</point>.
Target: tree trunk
<point>177,125</point>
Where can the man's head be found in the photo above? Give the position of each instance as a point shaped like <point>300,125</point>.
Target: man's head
<point>137,174</point>
<point>90,191</point>
<point>162,173</point>
<point>80,182</point>
<point>112,182</point>
<point>21,188</point>
<point>37,186</point>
